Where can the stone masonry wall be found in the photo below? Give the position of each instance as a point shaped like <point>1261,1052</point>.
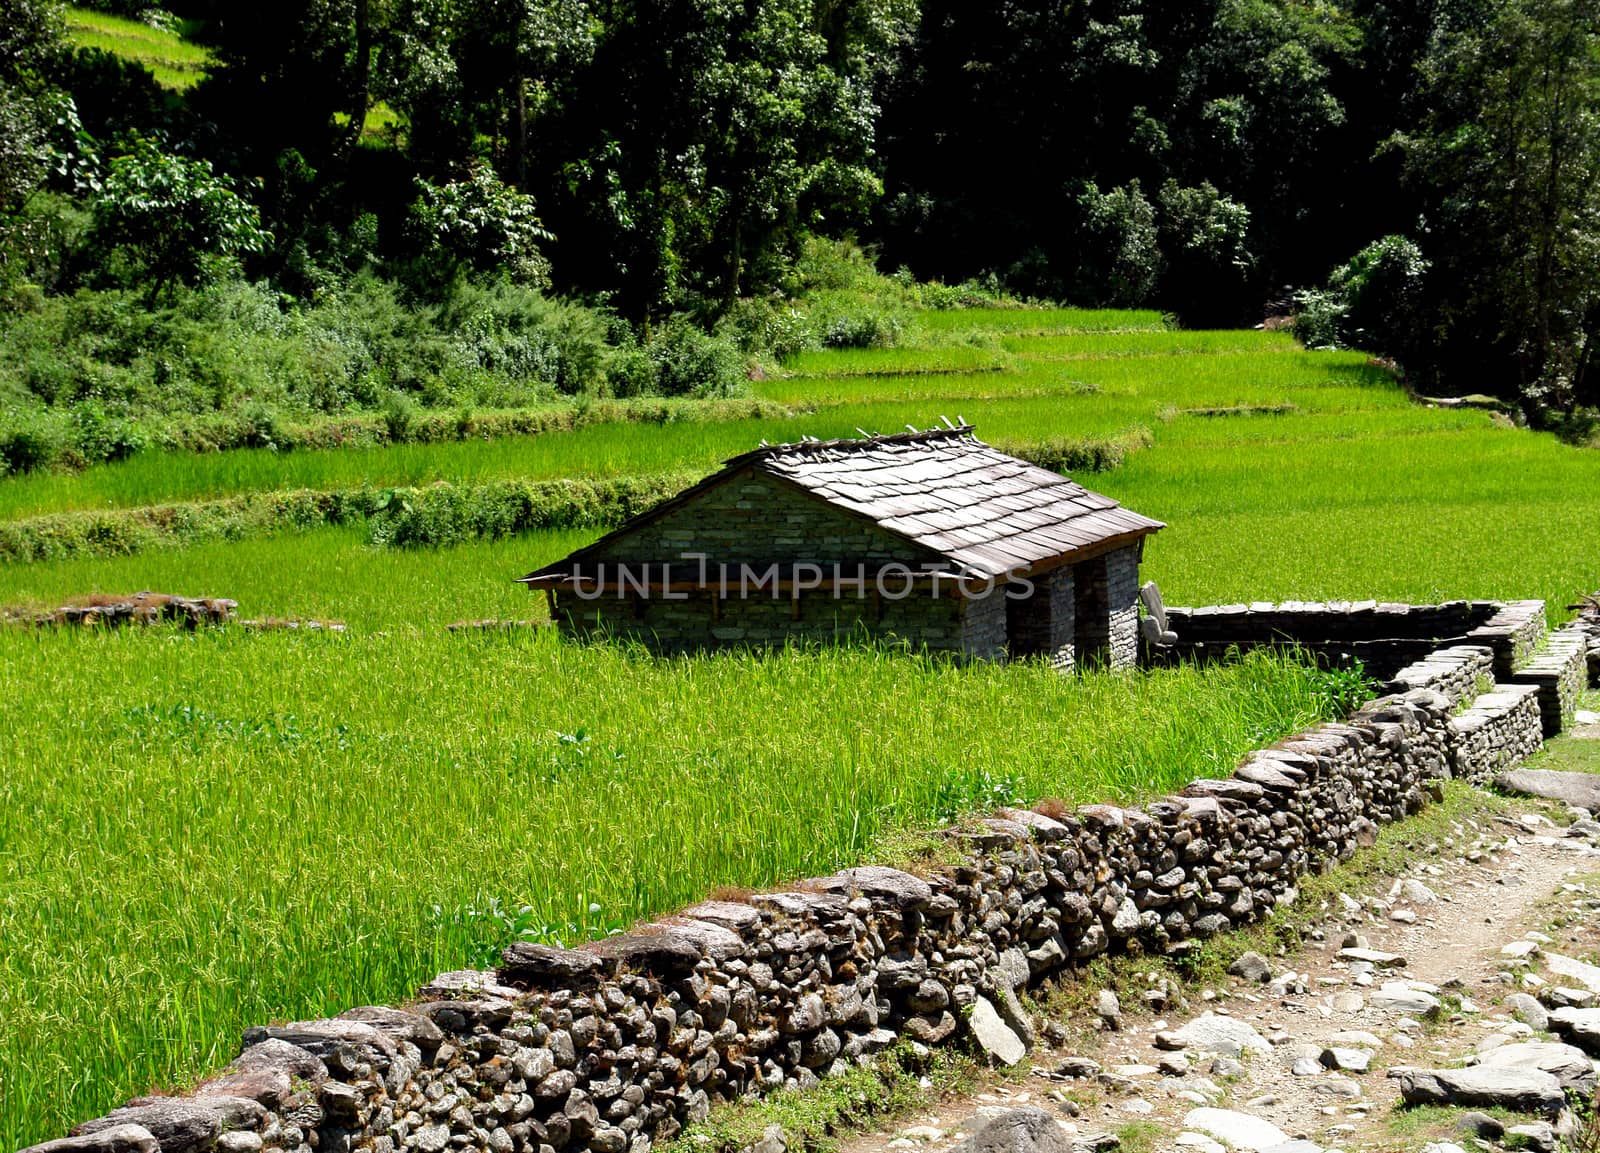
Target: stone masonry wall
<point>1454,671</point>
<point>1559,671</point>
<point>1122,594</point>
<point>1384,636</point>
<point>695,623</point>
<point>1498,731</point>
<point>1043,624</point>
<point>617,1044</point>
<point>983,626</point>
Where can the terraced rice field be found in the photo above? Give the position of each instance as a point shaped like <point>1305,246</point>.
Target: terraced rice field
<point>200,832</point>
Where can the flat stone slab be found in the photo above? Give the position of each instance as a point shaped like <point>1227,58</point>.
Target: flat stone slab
<point>1402,998</point>
<point>1580,789</point>
<point>1521,1090</point>
<point>1213,1034</point>
<point>993,1035</point>
<point>1580,1027</point>
<point>1585,974</point>
<point>1236,1130</point>
<point>1567,1064</point>
<point>1373,957</point>
<point>116,1139</point>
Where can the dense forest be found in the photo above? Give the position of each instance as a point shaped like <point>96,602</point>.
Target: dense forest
<point>384,202</point>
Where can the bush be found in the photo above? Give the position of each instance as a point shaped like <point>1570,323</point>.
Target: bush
<point>630,372</point>
<point>863,328</point>
<point>1374,302</point>
<point>516,332</point>
<point>172,218</point>
<point>1319,318</point>
<point>99,437</point>
<point>478,224</point>
<point>1382,287</point>
<point>30,440</point>
<point>688,362</point>
<point>399,417</point>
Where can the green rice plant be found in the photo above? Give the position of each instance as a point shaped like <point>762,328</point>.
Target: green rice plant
<point>955,359</point>
<point>1097,345</point>
<point>1042,321</point>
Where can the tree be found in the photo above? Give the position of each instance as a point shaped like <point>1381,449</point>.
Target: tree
<point>478,224</point>
<point>1507,153</point>
<point>173,218</point>
<point>710,135</point>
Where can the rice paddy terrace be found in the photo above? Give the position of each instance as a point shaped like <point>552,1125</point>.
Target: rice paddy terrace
<point>200,831</point>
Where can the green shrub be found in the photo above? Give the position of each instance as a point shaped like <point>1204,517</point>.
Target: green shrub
<point>688,362</point>
<point>630,372</point>
<point>98,436</point>
<point>263,427</point>
<point>399,417</point>
<point>30,439</point>
<point>1319,318</point>
<point>861,328</point>
<point>515,332</point>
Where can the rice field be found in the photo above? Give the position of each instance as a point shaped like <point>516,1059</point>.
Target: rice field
<point>175,62</point>
<point>200,832</point>
<point>219,829</point>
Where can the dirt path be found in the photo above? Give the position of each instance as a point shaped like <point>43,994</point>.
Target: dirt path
<point>1487,890</point>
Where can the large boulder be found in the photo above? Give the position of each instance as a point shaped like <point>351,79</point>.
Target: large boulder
<point>1234,1129</point>
<point>1211,1033</point>
<point>1580,1027</point>
<point>182,1124</point>
<point>1572,969</point>
<point>993,1035</point>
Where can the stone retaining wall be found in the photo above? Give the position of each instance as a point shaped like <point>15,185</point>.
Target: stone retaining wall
<point>1559,671</point>
<point>617,1044</point>
<point>1502,727</point>
<point>1454,671</point>
<point>1385,637</point>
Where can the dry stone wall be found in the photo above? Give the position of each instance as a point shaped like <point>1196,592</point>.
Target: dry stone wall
<point>1456,672</point>
<point>616,1045</point>
<point>1385,637</point>
<point>1559,671</point>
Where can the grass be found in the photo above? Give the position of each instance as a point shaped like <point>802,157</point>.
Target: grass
<point>175,62</point>
<point>220,829</point>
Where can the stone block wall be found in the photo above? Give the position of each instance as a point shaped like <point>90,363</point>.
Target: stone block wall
<point>1498,731</point>
<point>615,1045</point>
<point>1454,671</point>
<point>695,622</point>
<point>1122,595</point>
<point>1043,624</point>
<point>1559,671</point>
<point>1385,637</point>
<point>983,627</point>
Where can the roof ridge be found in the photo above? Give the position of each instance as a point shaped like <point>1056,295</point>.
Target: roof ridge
<point>858,444</point>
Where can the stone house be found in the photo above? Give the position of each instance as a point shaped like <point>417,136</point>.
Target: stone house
<point>931,538</point>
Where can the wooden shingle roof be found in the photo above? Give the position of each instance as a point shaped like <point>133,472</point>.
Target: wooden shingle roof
<point>988,513</point>
<point>951,493</point>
